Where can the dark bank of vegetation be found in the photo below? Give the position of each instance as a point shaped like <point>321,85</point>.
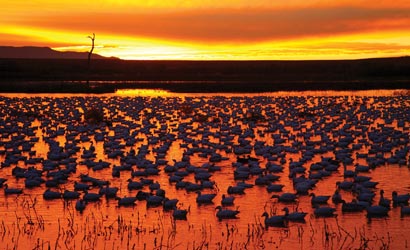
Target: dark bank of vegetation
<point>70,75</point>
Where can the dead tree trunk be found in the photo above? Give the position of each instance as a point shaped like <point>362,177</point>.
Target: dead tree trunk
<point>89,58</point>
<point>92,49</point>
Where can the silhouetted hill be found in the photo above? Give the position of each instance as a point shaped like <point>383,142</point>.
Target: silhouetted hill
<point>31,52</point>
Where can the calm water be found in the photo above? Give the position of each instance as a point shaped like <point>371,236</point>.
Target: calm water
<point>198,132</point>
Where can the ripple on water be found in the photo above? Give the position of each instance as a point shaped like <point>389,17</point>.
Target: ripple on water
<point>143,135</point>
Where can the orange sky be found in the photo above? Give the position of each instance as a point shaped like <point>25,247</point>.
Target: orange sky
<point>222,30</point>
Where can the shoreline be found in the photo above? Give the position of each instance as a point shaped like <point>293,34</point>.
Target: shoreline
<point>197,86</point>
<point>106,76</point>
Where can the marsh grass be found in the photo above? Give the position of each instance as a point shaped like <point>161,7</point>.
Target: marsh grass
<point>158,230</point>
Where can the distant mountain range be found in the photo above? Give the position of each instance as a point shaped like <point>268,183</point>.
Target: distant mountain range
<point>31,52</point>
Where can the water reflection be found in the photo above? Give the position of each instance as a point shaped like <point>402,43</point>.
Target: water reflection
<point>165,93</point>
<point>238,146</point>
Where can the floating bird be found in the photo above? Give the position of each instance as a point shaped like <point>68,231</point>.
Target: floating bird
<point>80,205</point>
<point>400,199</point>
<point>70,195</point>
<point>345,185</point>
<point>285,197</point>
<point>154,200</point>
<point>180,214</point>
<point>353,206</point>
<point>204,198</point>
<point>274,188</point>
<point>8,190</point>
<point>126,201</point>
<point>274,221</point>
<point>51,195</point>
<point>81,186</point>
<point>2,181</point>
<point>377,211</point>
<point>109,192</point>
<point>134,185</point>
<point>91,196</point>
<point>324,211</point>
<point>236,190</point>
<point>294,216</point>
<point>404,210</point>
<point>320,199</point>
<point>141,195</point>
<point>226,213</point>
<point>169,204</point>
<point>361,168</point>
<point>337,197</point>
<point>348,173</point>
<point>384,201</point>
<point>154,186</point>
<point>227,200</point>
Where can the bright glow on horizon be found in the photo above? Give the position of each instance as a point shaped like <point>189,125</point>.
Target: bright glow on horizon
<point>213,30</point>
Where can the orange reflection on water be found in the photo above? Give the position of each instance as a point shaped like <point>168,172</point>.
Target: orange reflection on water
<point>144,92</point>
<point>288,125</point>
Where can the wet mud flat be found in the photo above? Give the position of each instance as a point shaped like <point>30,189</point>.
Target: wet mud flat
<point>109,171</point>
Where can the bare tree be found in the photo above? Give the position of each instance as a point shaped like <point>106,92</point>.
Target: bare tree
<point>92,48</point>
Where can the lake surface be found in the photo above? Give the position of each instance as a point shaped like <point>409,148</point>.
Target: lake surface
<point>228,139</point>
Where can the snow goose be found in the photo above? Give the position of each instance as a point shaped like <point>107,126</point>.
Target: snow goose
<point>384,201</point>
<point>227,200</point>
<point>294,216</point>
<point>126,201</point>
<point>324,211</point>
<point>377,211</point>
<point>274,221</point>
<point>226,213</point>
<point>400,199</point>
<point>320,199</point>
<point>8,190</point>
<point>51,195</point>
<point>204,198</point>
<point>180,214</point>
<point>285,197</point>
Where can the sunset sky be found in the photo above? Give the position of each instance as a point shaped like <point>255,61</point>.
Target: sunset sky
<point>212,29</point>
